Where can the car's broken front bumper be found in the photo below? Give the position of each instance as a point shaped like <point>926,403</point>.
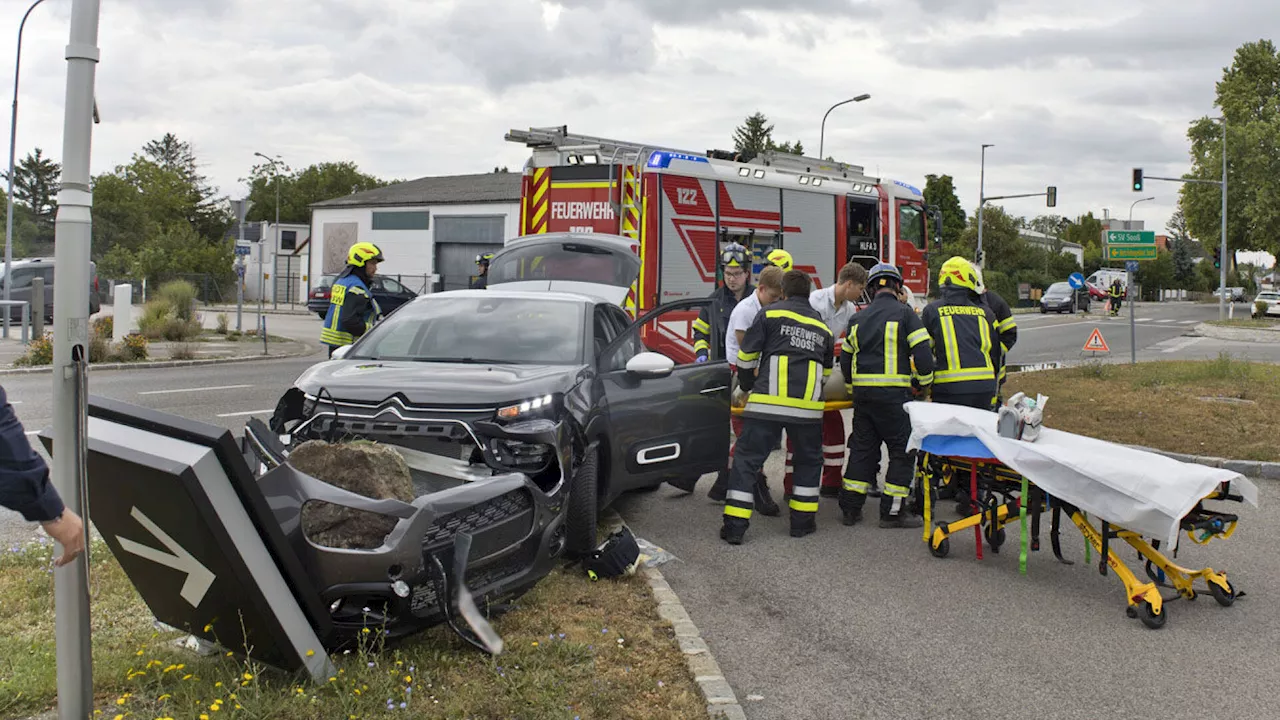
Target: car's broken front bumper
<point>513,522</point>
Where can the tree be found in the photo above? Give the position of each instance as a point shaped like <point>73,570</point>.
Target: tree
<point>299,190</point>
<point>1085,231</point>
<point>36,182</point>
<point>1155,275</point>
<point>1054,226</point>
<point>503,169</point>
<point>787,147</point>
<point>940,192</point>
<point>754,135</point>
<point>1184,265</point>
<point>205,210</point>
<point>1249,98</point>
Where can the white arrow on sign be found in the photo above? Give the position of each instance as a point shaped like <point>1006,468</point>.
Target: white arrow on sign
<point>199,578</point>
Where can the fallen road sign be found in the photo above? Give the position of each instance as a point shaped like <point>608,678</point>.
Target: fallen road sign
<point>1095,343</point>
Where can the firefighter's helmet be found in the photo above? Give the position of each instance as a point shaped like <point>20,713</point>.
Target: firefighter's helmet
<point>884,275</point>
<point>484,258</point>
<point>734,255</point>
<point>781,258</point>
<point>363,252</point>
<point>977,274</point>
<point>958,272</point>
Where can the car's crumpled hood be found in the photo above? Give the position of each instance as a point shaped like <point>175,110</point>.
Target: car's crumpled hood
<point>436,384</point>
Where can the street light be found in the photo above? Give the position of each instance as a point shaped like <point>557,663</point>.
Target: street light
<point>982,199</point>
<point>1129,226</point>
<point>275,162</point>
<point>13,140</point>
<point>1222,277</point>
<point>822,136</point>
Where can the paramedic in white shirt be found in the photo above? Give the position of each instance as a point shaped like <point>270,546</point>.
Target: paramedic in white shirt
<point>836,305</point>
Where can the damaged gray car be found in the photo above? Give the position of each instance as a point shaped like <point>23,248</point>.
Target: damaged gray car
<point>520,416</point>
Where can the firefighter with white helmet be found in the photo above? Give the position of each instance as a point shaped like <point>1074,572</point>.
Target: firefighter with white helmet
<point>352,309</point>
<point>482,271</point>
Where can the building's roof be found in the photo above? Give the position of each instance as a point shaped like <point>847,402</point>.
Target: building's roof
<point>445,190</point>
<point>1045,239</point>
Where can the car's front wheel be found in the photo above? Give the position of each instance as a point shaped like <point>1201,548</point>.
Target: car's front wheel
<point>582,514</point>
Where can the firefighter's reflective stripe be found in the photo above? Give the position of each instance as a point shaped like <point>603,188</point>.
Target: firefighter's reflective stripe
<point>1006,325</point>
<point>331,333</point>
<point>857,486</point>
<point>748,360</point>
<point>738,504</point>
<point>917,337</point>
<point>896,490</point>
<point>797,317</point>
<point>701,326</point>
<point>804,499</point>
<point>1004,353</point>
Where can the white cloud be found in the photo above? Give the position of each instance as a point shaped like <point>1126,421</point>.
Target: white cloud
<point>1071,94</point>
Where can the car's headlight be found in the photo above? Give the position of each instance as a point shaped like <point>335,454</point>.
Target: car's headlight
<point>540,406</point>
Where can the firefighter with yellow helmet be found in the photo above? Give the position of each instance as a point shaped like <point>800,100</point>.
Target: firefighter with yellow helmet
<point>966,339</point>
<point>352,309</point>
<point>482,271</point>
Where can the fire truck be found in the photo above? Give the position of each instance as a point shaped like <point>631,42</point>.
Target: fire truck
<point>679,208</point>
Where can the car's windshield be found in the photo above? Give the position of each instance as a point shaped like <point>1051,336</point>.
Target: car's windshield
<point>494,329</point>
<point>1059,289</point>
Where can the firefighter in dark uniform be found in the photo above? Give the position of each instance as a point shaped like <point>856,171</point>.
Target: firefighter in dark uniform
<point>781,364</point>
<point>1117,297</point>
<point>352,309</point>
<point>966,344</point>
<point>482,272</point>
<point>1006,327</point>
<point>876,359</point>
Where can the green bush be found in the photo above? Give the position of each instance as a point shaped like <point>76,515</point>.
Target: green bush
<point>176,330</point>
<point>133,347</point>
<point>99,347</point>
<point>222,324</point>
<point>155,316</point>
<point>180,296</point>
<point>182,351</point>
<point>39,352</point>
<point>104,326</point>
<point>1260,308</point>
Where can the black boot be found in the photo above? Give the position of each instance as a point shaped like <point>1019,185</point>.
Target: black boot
<point>850,517</point>
<point>904,519</point>
<point>733,530</point>
<point>803,523</point>
<point>719,491</point>
<point>684,483</point>
<point>763,499</point>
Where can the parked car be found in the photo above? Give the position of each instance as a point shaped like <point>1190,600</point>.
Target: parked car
<point>1061,297</point>
<point>1271,298</point>
<point>28,269</point>
<point>389,293</point>
<point>560,386</point>
<point>1234,294</point>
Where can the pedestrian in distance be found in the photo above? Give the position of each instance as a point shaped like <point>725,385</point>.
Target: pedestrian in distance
<point>352,309</point>
<point>966,345</point>
<point>836,306</point>
<point>768,291</point>
<point>887,360</point>
<point>25,487</point>
<point>785,355</point>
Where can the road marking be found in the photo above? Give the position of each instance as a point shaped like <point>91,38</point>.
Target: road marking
<point>199,577</point>
<point>1166,321</point>
<point>250,412</point>
<point>1188,342</point>
<point>31,433</point>
<point>199,389</point>
<point>1187,322</point>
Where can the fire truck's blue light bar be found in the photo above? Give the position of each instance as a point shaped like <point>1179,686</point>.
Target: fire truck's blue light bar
<point>663,158</point>
<point>909,187</point>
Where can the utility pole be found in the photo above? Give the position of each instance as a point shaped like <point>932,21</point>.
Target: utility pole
<point>72,237</point>
<point>822,134</point>
<point>982,200</point>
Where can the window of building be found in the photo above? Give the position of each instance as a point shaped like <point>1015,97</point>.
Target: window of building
<point>402,220</point>
<point>288,239</point>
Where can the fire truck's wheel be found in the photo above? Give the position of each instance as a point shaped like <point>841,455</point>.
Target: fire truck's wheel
<point>582,514</point>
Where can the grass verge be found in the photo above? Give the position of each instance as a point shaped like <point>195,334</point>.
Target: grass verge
<point>1247,322</point>
<point>575,649</point>
<point>1224,407</point>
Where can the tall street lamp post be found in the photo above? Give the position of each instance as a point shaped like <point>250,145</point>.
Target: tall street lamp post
<point>822,136</point>
<point>275,170</point>
<point>1135,202</point>
<point>982,200</point>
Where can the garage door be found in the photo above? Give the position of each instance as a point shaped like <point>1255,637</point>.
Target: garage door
<point>457,242</point>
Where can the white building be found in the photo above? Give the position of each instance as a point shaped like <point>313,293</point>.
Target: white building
<point>283,261</point>
<point>430,229</point>
<point>1048,242</point>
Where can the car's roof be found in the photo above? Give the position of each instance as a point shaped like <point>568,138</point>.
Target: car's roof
<point>615,242</point>
<point>498,291</point>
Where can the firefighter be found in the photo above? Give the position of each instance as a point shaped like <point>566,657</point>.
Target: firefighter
<point>780,258</point>
<point>1117,296</point>
<point>836,306</point>
<point>966,344</point>
<point>1006,327</point>
<point>736,270</point>
<point>783,356</point>
<point>352,309</point>
<point>885,359</point>
<point>482,272</point>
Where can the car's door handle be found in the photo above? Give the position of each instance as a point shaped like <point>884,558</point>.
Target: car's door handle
<point>715,389</point>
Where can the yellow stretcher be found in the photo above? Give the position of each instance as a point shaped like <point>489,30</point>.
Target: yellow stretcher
<point>990,496</point>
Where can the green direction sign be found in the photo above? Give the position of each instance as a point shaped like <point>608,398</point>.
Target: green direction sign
<point>1131,237</point>
<point>1131,252</point>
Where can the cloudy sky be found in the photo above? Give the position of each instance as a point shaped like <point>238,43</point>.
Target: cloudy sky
<point>1071,93</point>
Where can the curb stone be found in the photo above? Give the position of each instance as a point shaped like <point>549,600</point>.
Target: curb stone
<point>161,363</point>
<point>1248,468</point>
<point>722,703</point>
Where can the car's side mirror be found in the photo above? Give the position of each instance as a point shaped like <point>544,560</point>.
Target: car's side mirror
<point>340,352</point>
<point>650,365</point>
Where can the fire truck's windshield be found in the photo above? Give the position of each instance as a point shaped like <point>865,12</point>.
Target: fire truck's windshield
<point>911,224</point>
<point>564,261</point>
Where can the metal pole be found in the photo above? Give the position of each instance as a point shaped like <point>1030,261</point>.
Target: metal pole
<point>13,141</point>
<point>1129,225</point>
<point>275,297</point>
<point>1133,333</point>
<point>240,263</point>
<point>982,186</point>
<point>822,135</point>
<point>72,238</point>
<point>1222,279</point>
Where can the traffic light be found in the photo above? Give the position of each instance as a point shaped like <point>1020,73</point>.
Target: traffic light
<point>1217,258</point>
<point>1051,197</point>
<point>1137,179</point>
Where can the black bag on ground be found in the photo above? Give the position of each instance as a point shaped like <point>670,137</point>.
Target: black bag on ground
<point>615,557</point>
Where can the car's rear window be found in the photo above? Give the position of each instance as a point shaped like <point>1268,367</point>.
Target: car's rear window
<point>582,262</point>
<point>491,329</point>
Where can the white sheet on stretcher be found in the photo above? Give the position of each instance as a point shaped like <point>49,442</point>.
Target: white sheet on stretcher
<point>1139,491</point>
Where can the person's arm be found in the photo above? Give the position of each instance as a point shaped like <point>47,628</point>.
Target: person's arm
<point>849,353</point>
<point>25,489</point>
<point>702,336</point>
<point>921,352</point>
<point>995,339</point>
<point>354,306</point>
<point>1008,326</point>
<point>749,353</point>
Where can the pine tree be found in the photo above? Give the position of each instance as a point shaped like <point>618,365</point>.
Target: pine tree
<point>754,136</point>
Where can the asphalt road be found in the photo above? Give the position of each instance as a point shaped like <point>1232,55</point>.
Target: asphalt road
<point>864,622</point>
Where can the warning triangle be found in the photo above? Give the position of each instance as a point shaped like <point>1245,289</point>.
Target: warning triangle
<point>1095,343</point>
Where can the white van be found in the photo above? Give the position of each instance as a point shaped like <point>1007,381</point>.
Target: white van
<point>1102,279</point>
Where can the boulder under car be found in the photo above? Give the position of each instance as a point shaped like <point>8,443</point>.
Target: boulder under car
<point>560,387</point>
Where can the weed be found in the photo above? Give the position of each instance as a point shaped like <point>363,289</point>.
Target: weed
<point>39,352</point>
<point>182,351</point>
<point>222,324</point>
<point>155,316</point>
<point>104,326</point>
<point>133,347</point>
<point>180,296</point>
<point>99,348</point>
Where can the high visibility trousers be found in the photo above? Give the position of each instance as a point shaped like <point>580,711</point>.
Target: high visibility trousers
<point>876,422</point>
<point>833,444</point>
<point>754,445</point>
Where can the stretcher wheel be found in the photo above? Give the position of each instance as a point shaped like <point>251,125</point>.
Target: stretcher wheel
<point>1148,616</point>
<point>943,549</point>
<point>997,538</point>
<point>1226,597</point>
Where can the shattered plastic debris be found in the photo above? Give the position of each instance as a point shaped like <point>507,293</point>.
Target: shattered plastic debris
<point>651,555</point>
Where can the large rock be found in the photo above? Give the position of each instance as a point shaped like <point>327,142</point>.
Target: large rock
<point>370,469</point>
